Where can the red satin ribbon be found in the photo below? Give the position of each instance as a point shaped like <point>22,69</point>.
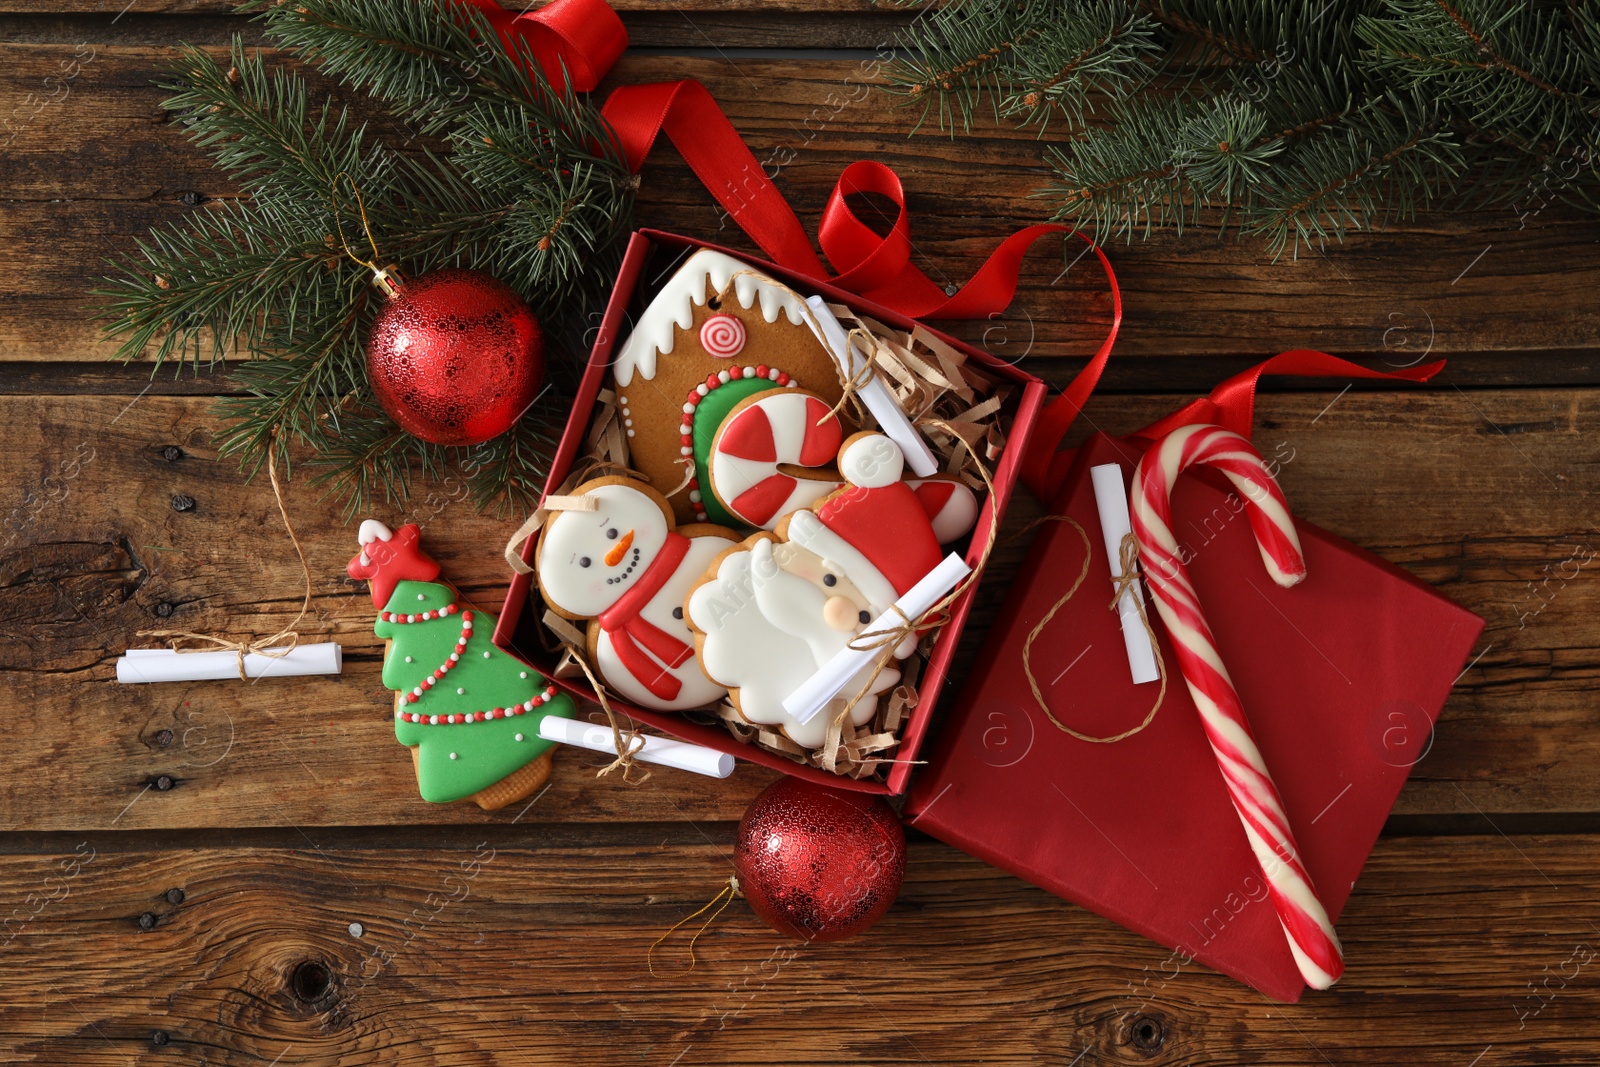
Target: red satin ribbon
<point>583,37</point>
<point>586,37</point>
<point>1230,405</point>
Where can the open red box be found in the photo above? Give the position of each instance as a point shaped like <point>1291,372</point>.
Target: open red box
<point>516,631</point>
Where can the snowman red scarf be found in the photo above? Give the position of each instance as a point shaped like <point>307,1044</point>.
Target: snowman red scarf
<point>628,631</point>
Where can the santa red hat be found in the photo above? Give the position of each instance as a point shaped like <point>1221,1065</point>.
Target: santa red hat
<point>880,537</point>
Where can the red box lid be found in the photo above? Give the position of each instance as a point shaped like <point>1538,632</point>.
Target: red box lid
<point>517,633</point>
<point>1342,678</point>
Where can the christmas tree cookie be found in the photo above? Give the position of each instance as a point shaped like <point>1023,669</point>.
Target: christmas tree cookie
<point>468,710</point>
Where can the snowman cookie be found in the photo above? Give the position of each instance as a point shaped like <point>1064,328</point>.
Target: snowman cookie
<point>778,606</point>
<point>626,567</point>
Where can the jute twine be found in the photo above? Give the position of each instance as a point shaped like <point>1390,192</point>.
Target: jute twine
<point>1127,575</point>
<point>265,647</point>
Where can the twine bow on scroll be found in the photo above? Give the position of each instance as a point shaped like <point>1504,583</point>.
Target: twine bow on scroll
<point>885,642</point>
<point>1123,581</point>
<point>271,647</point>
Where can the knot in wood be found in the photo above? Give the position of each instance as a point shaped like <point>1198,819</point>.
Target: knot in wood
<point>1145,1033</point>
<point>310,981</point>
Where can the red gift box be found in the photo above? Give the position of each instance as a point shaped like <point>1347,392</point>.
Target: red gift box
<point>1342,677</point>
<point>517,630</point>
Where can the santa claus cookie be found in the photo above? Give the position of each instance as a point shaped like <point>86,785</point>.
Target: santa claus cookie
<point>468,711</point>
<point>777,607</point>
<point>716,334</point>
<point>626,567</point>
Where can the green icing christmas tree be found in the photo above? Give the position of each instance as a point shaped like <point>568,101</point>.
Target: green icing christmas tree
<point>470,710</point>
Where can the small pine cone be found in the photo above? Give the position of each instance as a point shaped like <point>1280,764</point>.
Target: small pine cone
<point>1032,100</point>
<point>162,283</point>
<point>544,243</point>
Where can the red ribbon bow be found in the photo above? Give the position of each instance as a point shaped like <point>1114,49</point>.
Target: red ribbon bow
<point>578,41</point>
<point>584,38</point>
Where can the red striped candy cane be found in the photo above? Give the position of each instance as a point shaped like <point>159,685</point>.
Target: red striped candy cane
<point>1305,922</point>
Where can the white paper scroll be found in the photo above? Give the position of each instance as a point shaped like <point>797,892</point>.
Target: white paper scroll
<point>891,419</point>
<point>662,750</point>
<point>1111,497</point>
<point>805,702</point>
<point>164,665</point>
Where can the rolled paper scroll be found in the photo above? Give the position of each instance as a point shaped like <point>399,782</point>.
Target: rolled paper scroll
<point>815,693</point>
<point>1255,798</point>
<point>892,420</point>
<point>660,750</point>
<point>139,665</point>
<point>1111,497</point>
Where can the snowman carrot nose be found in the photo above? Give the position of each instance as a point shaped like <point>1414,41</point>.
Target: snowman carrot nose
<point>614,557</point>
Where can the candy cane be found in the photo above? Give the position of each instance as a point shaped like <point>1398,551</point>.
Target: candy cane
<point>1305,922</point>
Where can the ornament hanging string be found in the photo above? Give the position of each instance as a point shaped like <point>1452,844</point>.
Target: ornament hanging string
<point>725,895</point>
<point>1127,575</point>
<point>383,277</point>
<point>268,647</point>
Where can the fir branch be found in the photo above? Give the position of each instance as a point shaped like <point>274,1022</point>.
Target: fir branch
<point>534,191</point>
<point>1481,55</point>
<point>1376,168</point>
<point>1103,50</point>
<point>1303,118</point>
<point>964,53</point>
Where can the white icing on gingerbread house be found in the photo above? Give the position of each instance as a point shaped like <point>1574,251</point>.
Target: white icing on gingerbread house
<point>704,274</point>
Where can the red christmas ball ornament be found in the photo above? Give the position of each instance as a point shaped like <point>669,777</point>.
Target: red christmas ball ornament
<point>819,864</point>
<point>455,357</point>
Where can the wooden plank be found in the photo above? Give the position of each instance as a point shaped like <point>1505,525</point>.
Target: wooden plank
<point>117,9</point>
<point>1461,951</point>
<point>721,27</point>
<point>1438,285</point>
<point>93,552</point>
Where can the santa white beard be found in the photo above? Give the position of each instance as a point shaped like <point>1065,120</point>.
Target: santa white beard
<point>765,636</point>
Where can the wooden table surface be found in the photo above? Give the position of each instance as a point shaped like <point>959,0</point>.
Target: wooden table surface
<point>223,873</point>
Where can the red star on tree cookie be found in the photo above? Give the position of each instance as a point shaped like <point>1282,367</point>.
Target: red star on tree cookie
<point>389,558</point>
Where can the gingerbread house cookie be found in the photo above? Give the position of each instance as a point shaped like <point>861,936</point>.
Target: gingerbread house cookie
<point>718,333</point>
